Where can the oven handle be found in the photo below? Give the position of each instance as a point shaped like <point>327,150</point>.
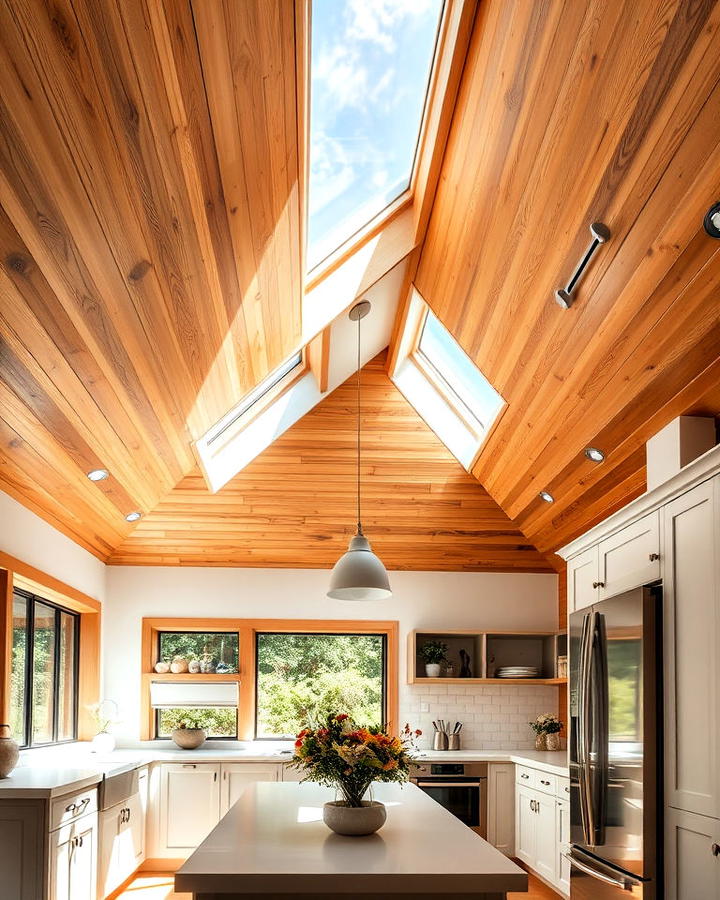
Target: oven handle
<point>431,784</point>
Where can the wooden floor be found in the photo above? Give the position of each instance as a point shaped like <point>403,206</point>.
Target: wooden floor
<point>160,887</point>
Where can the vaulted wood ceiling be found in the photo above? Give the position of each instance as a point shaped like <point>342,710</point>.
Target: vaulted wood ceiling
<point>150,273</point>
<point>295,504</point>
<point>149,240</point>
<point>571,113</point>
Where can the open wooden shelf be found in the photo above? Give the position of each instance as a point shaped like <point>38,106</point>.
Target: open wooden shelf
<point>423,679</point>
<point>188,676</point>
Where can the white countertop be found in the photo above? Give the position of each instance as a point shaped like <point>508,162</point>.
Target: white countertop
<point>273,840</point>
<point>73,767</point>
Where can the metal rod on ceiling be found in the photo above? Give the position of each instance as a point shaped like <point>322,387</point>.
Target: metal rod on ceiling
<point>600,234</point>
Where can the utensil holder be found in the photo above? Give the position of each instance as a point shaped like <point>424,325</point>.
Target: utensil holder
<point>453,742</point>
<point>440,741</point>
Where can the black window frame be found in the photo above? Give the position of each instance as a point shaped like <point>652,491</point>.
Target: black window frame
<point>384,688</point>
<point>31,599</point>
<point>156,718</point>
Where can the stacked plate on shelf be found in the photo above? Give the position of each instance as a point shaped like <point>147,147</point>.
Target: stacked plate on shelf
<point>517,672</point>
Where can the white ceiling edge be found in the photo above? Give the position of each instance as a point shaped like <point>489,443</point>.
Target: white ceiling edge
<point>304,394</point>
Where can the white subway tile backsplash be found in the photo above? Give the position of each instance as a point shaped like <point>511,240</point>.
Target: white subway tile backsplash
<point>494,717</point>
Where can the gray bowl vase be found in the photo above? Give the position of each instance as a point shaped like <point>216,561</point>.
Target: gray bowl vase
<point>189,738</point>
<point>9,752</point>
<point>354,820</point>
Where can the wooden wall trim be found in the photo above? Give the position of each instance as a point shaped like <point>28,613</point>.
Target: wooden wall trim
<point>6,602</point>
<point>247,629</point>
<point>72,598</point>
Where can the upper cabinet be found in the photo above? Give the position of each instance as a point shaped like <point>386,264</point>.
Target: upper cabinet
<point>582,576</point>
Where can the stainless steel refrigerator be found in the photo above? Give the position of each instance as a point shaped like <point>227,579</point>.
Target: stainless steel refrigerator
<point>615,748</point>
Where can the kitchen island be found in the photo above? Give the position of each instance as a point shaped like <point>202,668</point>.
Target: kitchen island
<point>273,844</point>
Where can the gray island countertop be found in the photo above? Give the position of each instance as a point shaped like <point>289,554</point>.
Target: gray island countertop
<point>273,843</point>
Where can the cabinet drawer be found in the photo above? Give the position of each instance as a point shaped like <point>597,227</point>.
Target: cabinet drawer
<point>563,788</point>
<point>525,776</point>
<point>546,783</point>
<point>72,806</point>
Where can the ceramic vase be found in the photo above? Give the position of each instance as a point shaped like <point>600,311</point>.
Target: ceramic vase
<point>432,670</point>
<point>104,742</point>
<point>189,738</point>
<point>354,820</point>
<point>540,742</point>
<point>552,741</point>
<point>9,751</point>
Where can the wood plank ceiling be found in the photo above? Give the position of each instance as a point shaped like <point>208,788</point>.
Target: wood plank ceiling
<point>569,113</point>
<point>294,505</point>
<point>149,241</point>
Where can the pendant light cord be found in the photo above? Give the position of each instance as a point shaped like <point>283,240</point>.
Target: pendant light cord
<point>359,523</point>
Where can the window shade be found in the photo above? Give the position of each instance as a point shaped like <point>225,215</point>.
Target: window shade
<point>168,695</point>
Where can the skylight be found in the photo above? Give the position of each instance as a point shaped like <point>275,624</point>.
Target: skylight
<point>460,379</point>
<point>370,70</point>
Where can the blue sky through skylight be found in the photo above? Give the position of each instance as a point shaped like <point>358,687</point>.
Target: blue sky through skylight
<point>370,68</point>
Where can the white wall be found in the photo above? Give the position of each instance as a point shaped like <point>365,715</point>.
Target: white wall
<point>32,540</point>
<point>421,599</point>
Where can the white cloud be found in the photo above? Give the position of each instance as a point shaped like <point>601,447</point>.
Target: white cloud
<point>374,20</point>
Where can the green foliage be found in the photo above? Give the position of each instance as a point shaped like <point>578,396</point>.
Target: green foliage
<point>302,678</point>
<point>547,723</point>
<point>216,722</point>
<point>434,651</point>
<point>221,646</point>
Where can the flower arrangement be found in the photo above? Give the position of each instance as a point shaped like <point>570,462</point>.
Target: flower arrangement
<point>547,723</point>
<point>349,758</point>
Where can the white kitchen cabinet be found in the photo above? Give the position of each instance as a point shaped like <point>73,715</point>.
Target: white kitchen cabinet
<point>501,807</point>
<point>545,862</point>
<point>236,776</point>
<point>691,592</point>
<point>73,860</point>
<point>525,825</point>
<point>189,806</point>
<point>692,856</point>
<point>122,832</point>
<point>630,557</point>
<point>583,579</point>
<point>562,826</point>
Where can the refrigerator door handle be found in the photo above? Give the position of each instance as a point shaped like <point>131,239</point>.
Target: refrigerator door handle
<point>624,882</point>
<point>600,700</point>
<point>585,729</point>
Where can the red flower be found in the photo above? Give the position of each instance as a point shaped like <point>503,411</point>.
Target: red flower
<point>298,744</point>
<point>341,717</point>
<point>417,732</point>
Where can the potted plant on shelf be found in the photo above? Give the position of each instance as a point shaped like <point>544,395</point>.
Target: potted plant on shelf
<point>434,653</point>
<point>189,734</point>
<point>547,728</point>
<point>350,759</point>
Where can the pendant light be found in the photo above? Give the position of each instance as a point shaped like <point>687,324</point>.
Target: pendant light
<point>359,574</point>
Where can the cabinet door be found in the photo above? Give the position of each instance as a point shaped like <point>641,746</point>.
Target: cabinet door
<point>236,777</point>
<point>525,825</point>
<point>691,590</point>
<point>562,867</point>
<point>189,805</point>
<point>62,847</point>
<point>583,578</point>
<point>22,838</point>
<point>692,870</point>
<point>545,837</point>
<point>143,793</point>
<point>631,557</point>
<point>501,807</point>
<point>83,859</point>
<point>108,870</point>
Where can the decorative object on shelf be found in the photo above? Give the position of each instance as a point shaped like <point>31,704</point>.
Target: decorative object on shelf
<point>9,751</point>
<point>359,574</point>
<point>465,670</point>
<point>106,714</point>
<point>449,670</point>
<point>517,672</point>
<point>562,667</point>
<point>162,667</point>
<point>348,758</point>
<point>189,735</point>
<point>194,666</point>
<point>547,728</point>
<point>434,653</point>
<point>179,665</point>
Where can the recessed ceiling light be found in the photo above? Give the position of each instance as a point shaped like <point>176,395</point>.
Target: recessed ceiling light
<point>98,474</point>
<point>133,516</point>
<point>594,454</point>
<point>548,498</point>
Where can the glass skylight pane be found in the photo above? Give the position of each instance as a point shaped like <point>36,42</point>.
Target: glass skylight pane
<point>370,69</point>
<point>458,371</point>
<point>252,397</point>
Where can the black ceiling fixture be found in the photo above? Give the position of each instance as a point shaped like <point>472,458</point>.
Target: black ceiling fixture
<point>711,222</point>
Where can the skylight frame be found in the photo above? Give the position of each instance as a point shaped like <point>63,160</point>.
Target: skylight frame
<point>400,203</point>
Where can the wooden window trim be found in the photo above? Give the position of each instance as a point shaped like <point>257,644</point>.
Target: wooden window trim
<point>15,573</point>
<point>247,630</point>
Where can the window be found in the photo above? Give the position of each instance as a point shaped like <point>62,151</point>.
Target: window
<point>370,72</point>
<point>301,678</point>
<point>456,376</point>
<point>44,671</point>
<point>219,723</point>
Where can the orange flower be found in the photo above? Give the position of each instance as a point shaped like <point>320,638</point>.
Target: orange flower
<point>390,765</point>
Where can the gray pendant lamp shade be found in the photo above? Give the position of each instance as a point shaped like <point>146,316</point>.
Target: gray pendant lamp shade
<point>359,574</point>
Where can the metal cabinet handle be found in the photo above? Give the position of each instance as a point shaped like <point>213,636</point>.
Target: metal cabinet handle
<point>128,814</point>
<point>547,783</point>
<point>625,883</point>
<point>715,849</point>
<point>524,775</point>
<point>214,776</point>
<point>598,584</point>
<point>654,557</point>
<point>71,808</point>
<point>189,765</point>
